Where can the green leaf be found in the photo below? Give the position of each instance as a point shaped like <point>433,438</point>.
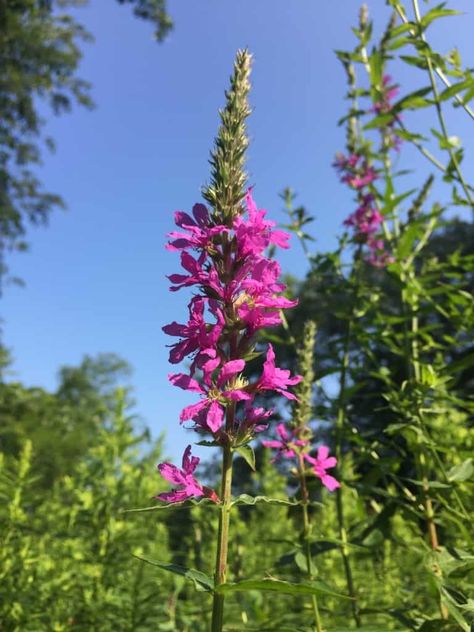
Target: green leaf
<point>246,499</point>
<point>436,13</point>
<point>414,100</point>
<point>379,121</point>
<point>406,135</point>
<point>400,42</point>
<point>186,504</point>
<point>468,96</point>
<point>451,142</point>
<point>429,484</point>
<point>407,239</point>
<point>278,585</point>
<point>201,581</point>
<point>321,546</point>
<point>247,453</point>
<point>454,89</point>
<point>301,562</point>
<point>462,472</point>
<point>438,625</point>
<point>415,61</point>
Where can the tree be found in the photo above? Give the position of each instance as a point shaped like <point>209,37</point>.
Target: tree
<point>62,426</point>
<point>39,56</point>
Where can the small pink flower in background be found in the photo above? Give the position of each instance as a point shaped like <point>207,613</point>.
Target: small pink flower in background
<point>389,91</point>
<point>287,443</point>
<point>343,163</point>
<point>366,220</point>
<point>321,463</point>
<point>379,257</point>
<point>188,485</point>
<point>360,180</point>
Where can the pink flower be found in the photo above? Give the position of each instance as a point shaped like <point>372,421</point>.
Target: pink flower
<point>209,412</point>
<point>241,289</point>
<point>197,334</point>
<point>275,379</point>
<point>365,220</point>
<point>379,257</point>
<point>388,93</point>
<point>254,234</point>
<point>182,477</point>
<point>362,179</point>
<point>199,233</point>
<point>195,269</point>
<point>254,418</point>
<point>287,443</point>
<point>258,305</point>
<point>321,463</point>
<point>341,163</point>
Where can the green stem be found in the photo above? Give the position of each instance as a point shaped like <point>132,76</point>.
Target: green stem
<point>340,423</point>
<point>306,542</point>
<point>440,114</point>
<point>222,540</point>
<point>413,361</point>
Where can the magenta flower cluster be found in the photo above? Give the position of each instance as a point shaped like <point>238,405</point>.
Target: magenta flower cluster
<point>356,171</point>
<point>290,446</point>
<point>384,104</point>
<point>366,220</point>
<point>237,293</point>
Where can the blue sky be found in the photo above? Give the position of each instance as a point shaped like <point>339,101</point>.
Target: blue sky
<point>95,278</point>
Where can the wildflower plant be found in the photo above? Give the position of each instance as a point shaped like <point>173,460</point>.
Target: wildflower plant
<point>236,293</point>
<point>294,444</point>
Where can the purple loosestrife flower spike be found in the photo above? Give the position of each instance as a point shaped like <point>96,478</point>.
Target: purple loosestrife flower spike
<point>241,289</point>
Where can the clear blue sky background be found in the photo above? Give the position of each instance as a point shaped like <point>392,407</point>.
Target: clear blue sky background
<point>96,277</point>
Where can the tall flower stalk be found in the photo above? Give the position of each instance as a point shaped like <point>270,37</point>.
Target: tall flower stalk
<point>302,417</point>
<point>295,443</point>
<point>237,293</point>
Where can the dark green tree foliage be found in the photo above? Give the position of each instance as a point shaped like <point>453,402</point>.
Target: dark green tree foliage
<point>153,11</point>
<point>40,50</point>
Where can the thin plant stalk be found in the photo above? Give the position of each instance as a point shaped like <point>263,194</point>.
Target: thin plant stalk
<point>302,414</point>
<point>222,540</point>
<point>306,539</point>
<point>410,319</point>
<point>354,132</point>
<point>340,424</point>
<point>225,194</point>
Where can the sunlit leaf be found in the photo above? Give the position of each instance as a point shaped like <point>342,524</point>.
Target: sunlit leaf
<point>246,499</point>
<point>201,581</point>
<point>278,585</point>
<point>248,454</point>
<point>462,472</point>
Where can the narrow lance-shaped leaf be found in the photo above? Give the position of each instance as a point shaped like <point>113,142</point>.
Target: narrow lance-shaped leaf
<point>201,581</point>
<point>278,585</point>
